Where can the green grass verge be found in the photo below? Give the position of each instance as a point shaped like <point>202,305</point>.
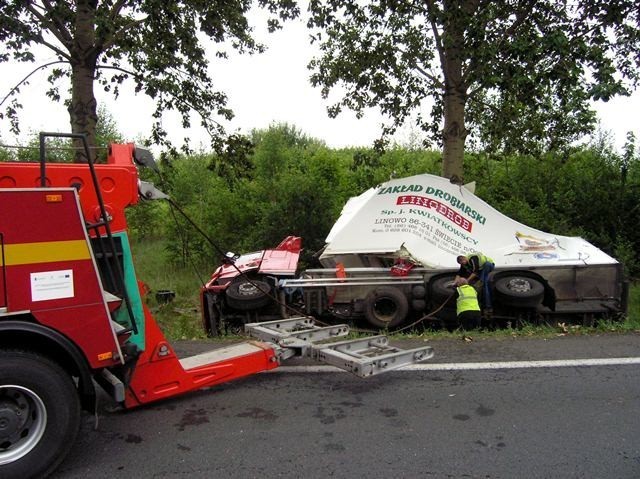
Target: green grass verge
<point>180,319</point>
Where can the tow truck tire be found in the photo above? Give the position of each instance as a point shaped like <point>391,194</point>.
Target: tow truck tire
<point>247,295</point>
<point>519,291</point>
<point>39,414</point>
<point>386,307</point>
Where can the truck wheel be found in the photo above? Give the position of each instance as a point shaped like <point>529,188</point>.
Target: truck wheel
<point>441,289</point>
<point>418,291</point>
<point>519,291</point>
<point>39,414</point>
<point>418,305</point>
<point>386,307</point>
<point>246,295</point>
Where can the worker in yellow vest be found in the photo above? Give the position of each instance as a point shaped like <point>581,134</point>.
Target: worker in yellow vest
<point>473,267</point>
<point>467,306</point>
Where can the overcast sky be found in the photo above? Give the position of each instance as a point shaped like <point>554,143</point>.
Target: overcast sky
<point>262,89</point>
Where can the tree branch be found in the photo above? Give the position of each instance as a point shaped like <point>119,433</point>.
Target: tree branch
<point>483,103</point>
<point>60,25</point>
<point>21,82</point>
<point>115,10</point>
<point>431,10</point>
<point>180,100</point>
<point>55,49</point>
<point>524,9</point>
<point>429,76</point>
<point>110,40</point>
<point>62,35</point>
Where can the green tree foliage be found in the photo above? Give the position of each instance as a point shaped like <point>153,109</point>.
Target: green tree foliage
<point>297,188</point>
<point>517,74</point>
<point>156,44</point>
<point>5,153</point>
<point>591,193</point>
<point>291,185</point>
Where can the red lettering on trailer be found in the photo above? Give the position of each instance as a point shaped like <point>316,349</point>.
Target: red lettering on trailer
<point>440,208</point>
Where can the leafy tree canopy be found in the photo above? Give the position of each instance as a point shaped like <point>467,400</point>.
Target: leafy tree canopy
<point>518,74</point>
<point>159,45</point>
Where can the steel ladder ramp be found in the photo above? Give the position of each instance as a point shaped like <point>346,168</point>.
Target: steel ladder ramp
<point>295,335</point>
<point>363,356</point>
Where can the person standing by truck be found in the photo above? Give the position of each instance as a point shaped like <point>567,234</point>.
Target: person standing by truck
<point>473,267</point>
<point>467,306</point>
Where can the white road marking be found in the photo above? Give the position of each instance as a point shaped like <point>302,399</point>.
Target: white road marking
<point>554,363</point>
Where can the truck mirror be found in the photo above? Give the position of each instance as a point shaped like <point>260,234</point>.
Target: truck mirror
<point>145,158</point>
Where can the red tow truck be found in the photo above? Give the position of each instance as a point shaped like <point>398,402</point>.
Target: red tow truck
<point>73,316</point>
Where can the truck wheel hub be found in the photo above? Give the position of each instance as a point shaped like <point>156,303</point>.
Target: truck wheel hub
<point>14,412</point>
<point>519,285</point>
<point>247,289</point>
<point>23,419</point>
<point>385,308</point>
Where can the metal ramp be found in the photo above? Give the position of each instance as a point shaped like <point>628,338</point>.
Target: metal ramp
<point>363,357</point>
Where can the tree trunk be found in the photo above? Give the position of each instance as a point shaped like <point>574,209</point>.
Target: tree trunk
<point>83,111</point>
<point>455,88</point>
<point>83,107</point>
<point>453,135</point>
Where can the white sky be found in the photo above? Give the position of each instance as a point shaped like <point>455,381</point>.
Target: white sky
<point>262,89</point>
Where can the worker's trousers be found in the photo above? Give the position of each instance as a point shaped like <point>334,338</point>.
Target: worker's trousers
<point>487,268</point>
<point>469,320</point>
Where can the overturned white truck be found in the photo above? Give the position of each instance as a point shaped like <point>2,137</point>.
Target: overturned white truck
<point>391,257</point>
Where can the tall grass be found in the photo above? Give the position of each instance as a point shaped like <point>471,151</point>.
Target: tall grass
<point>179,319</point>
<point>632,321</point>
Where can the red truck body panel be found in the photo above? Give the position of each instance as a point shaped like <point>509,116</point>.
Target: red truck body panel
<point>118,182</point>
<point>49,269</point>
<point>281,260</point>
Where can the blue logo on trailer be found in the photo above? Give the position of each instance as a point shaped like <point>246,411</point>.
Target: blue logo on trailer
<point>545,256</point>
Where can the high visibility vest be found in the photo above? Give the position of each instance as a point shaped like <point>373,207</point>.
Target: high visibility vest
<point>482,259</point>
<point>467,299</point>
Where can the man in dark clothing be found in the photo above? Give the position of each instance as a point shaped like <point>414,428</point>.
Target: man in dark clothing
<point>473,267</point>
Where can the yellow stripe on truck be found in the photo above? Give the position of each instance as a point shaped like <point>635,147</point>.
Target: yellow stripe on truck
<point>44,252</point>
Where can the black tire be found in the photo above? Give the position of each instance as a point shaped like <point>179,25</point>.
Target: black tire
<point>247,294</point>
<point>441,289</point>
<point>418,291</point>
<point>418,305</point>
<point>519,291</point>
<point>39,414</point>
<point>386,307</point>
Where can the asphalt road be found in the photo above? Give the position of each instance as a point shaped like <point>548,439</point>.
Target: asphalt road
<point>543,422</point>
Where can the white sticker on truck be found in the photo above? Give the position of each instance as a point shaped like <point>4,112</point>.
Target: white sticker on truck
<point>49,285</point>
